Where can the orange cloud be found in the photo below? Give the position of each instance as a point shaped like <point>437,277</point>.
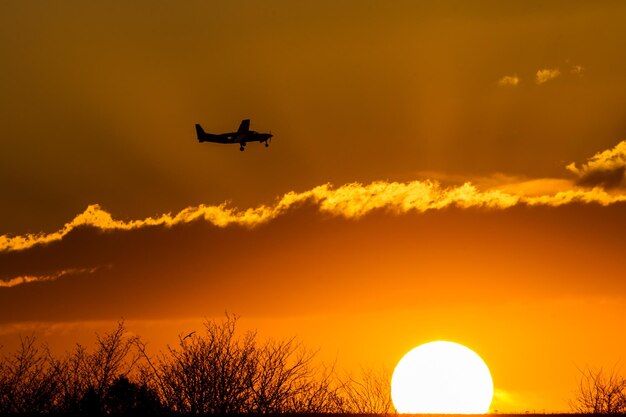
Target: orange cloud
<point>546,74</point>
<point>528,186</point>
<point>26,279</point>
<point>355,200</point>
<point>605,169</point>
<point>350,201</point>
<point>509,80</point>
<point>578,70</point>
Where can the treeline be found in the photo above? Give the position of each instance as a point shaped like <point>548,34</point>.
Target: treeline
<point>216,371</point>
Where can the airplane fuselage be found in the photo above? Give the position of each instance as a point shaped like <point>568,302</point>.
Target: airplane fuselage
<point>242,136</point>
<point>235,137</point>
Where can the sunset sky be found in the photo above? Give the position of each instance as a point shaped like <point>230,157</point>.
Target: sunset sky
<point>446,170</point>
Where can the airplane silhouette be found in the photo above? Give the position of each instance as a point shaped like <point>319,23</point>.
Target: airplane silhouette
<point>242,136</point>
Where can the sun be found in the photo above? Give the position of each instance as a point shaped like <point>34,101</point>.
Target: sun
<point>441,378</point>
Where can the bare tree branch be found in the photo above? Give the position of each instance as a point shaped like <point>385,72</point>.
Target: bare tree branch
<point>600,392</point>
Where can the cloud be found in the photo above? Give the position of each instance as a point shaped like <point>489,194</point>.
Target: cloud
<point>578,70</point>
<point>509,80</point>
<point>349,201</point>
<point>26,279</point>
<point>605,169</point>
<point>513,184</point>
<point>546,74</point>
<point>95,216</point>
<point>304,261</point>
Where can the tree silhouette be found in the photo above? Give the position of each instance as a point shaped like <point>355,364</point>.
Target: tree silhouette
<point>600,392</point>
<point>368,394</point>
<point>125,397</point>
<point>209,374</point>
<point>220,372</point>
<point>90,404</point>
<point>283,378</point>
<point>27,383</point>
<point>217,371</point>
<point>83,377</point>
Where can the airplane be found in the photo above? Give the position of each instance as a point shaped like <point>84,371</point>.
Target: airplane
<point>242,136</point>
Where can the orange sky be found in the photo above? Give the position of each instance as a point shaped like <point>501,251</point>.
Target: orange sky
<point>438,172</point>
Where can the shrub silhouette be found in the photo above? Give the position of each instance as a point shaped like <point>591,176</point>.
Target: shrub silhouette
<point>209,374</point>
<point>27,383</point>
<point>91,403</point>
<point>220,372</point>
<point>125,397</point>
<point>370,393</point>
<point>600,392</point>
<point>83,378</point>
<point>217,371</point>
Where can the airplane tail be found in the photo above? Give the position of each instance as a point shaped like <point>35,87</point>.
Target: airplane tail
<point>200,133</point>
<point>244,126</point>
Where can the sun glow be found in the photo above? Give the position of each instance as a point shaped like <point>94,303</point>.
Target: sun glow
<point>441,378</point>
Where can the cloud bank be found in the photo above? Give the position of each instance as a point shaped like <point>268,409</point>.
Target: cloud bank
<point>206,259</point>
<point>604,171</point>
<point>350,201</point>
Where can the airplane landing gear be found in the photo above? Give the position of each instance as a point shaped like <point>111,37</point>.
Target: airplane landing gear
<point>241,148</point>
<point>267,144</point>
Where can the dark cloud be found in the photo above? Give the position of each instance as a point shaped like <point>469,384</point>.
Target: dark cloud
<point>605,169</point>
<point>605,178</point>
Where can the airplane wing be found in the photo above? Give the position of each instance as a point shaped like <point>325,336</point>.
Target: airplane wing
<point>244,126</point>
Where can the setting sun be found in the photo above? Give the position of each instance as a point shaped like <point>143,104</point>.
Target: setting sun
<point>441,378</point>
